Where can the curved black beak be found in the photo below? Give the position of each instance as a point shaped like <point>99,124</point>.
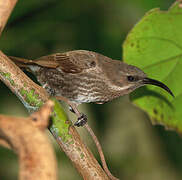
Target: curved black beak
<point>157,83</point>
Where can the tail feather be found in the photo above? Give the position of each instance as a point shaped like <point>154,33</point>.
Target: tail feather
<point>21,62</point>
<point>43,61</point>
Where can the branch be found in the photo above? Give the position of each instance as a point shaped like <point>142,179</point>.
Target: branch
<point>6,8</point>
<point>26,138</point>
<point>99,148</point>
<point>33,96</point>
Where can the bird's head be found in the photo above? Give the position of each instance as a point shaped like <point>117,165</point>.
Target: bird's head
<point>133,77</point>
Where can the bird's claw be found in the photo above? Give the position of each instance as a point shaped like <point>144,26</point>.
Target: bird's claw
<point>82,120</point>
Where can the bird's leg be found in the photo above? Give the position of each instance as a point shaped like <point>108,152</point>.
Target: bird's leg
<point>82,118</point>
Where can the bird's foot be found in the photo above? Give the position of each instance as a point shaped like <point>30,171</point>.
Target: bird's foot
<point>82,120</point>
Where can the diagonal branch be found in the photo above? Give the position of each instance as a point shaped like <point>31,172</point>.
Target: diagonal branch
<point>33,96</point>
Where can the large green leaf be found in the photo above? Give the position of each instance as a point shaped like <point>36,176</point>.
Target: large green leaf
<point>155,46</point>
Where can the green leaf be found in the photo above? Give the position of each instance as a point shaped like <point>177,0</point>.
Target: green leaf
<point>155,46</point>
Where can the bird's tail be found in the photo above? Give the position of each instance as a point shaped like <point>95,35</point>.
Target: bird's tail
<point>21,62</point>
<point>44,61</point>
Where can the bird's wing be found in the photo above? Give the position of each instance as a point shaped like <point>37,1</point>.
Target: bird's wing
<point>69,62</point>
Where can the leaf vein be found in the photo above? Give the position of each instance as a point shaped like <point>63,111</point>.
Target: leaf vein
<point>162,39</point>
<point>163,61</point>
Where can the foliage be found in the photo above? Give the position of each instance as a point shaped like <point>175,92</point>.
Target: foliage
<point>155,46</point>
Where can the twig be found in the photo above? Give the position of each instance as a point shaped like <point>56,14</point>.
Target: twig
<point>94,137</point>
<point>99,148</point>
<point>27,139</point>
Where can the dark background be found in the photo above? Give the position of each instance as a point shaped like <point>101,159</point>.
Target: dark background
<point>134,149</point>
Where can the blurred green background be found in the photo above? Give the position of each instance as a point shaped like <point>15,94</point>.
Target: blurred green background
<point>134,149</point>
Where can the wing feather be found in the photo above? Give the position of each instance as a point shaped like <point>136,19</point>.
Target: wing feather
<point>69,62</point>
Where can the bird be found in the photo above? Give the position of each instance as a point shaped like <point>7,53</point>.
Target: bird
<point>82,76</point>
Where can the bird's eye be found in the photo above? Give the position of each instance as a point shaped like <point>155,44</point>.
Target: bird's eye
<point>131,78</point>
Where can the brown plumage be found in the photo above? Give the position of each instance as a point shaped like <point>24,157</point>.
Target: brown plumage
<point>83,76</point>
